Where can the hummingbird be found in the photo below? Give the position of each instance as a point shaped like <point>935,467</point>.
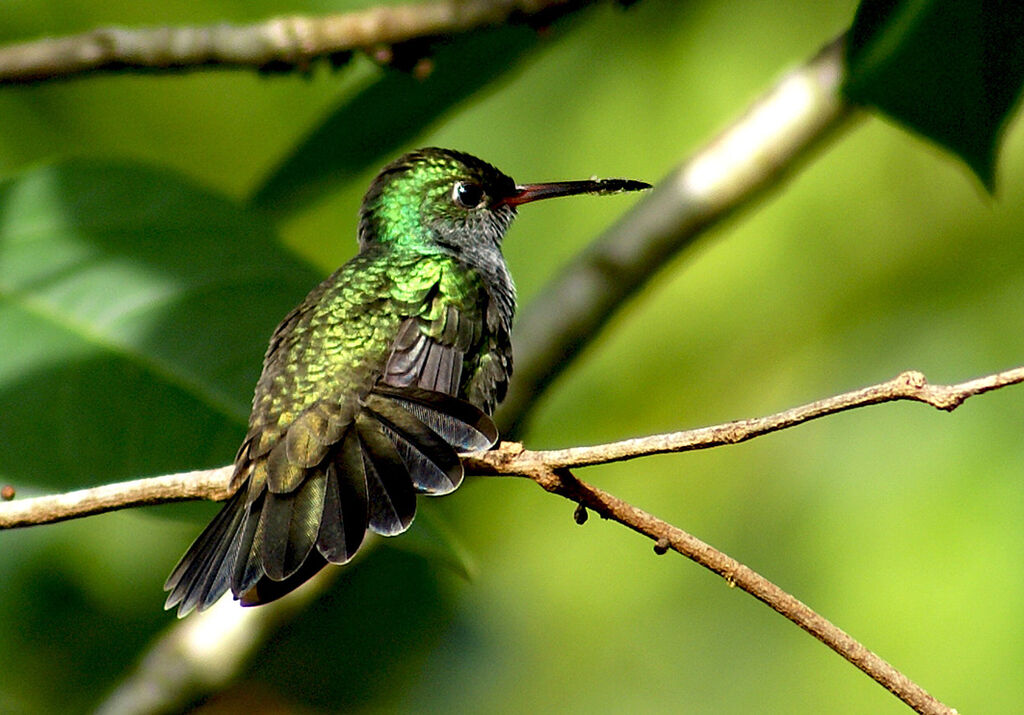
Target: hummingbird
<point>375,383</point>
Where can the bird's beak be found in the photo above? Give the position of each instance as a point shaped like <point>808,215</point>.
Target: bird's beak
<point>535,192</point>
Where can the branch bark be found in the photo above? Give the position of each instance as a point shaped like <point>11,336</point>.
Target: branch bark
<point>550,469</point>
<point>281,43</point>
<point>666,536</point>
<point>511,458</point>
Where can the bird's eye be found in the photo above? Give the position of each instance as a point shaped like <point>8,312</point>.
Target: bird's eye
<point>467,195</point>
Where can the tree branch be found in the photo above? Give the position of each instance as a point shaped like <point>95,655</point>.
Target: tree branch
<point>281,43</point>
<point>769,142</point>
<point>510,458</point>
<point>911,385</point>
<point>184,486</point>
<point>666,536</point>
<point>550,469</point>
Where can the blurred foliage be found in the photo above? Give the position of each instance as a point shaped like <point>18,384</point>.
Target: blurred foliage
<point>951,70</point>
<point>137,290</point>
<point>389,112</point>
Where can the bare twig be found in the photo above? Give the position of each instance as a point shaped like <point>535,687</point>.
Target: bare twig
<point>285,42</point>
<point>184,486</point>
<point>795,117</point>
<point>911,385</point>
<point>510,458</point>
<point>550,469</point>
<point>666,536</point>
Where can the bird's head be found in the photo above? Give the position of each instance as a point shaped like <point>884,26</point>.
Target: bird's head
<point>453,200</point>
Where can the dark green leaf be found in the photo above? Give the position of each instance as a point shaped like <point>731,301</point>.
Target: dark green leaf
<point>134,311</point>
<point>368,128</point>
<point>951,70</point>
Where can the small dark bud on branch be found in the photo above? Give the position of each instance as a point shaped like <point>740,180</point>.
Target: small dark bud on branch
<point>580,515</point>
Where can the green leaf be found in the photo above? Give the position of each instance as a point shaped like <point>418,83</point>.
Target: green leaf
<point>368,128</point>
<point>951,70</point>
<point>134,311</point>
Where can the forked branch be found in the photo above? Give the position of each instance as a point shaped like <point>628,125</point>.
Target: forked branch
<point>511,459</point>
<point>550,469</point>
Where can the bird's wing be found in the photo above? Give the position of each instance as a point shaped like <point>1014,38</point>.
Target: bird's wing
<point>459,344</point>
<point>492,362</point>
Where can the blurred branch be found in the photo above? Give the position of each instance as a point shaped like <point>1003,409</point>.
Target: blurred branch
<point>770,141</point>
<point>283,43</point>
<point>203,653</point>
<point>550,469</point>
<point>510,458</point>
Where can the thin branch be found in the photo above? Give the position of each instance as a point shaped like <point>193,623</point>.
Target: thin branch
<point>550,470</point>
<point>666,536</point>
<point>770,141</point>
<point>911,385</point>
<point>281,43</point>
<point>184,486</point>
<point>510,458</point>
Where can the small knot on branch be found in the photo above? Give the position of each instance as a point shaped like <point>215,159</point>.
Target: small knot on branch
<point>661,546</point>
<point>914,385</point>
<point>913,379</point>
<point>7,492</point>
<point>414,56</point>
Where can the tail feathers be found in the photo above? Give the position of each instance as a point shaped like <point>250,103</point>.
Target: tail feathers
<point>345,512</point>
<point>266,543</point>
<point>289,524</point>
<point>391,496</point>
<point>204,573</point>
<point>266,589</point>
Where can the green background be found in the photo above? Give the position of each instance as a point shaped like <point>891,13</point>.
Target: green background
<point>899,523</point>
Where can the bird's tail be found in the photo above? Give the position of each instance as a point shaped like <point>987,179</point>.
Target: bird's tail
<point>204,573</point>
<point>263,545</point>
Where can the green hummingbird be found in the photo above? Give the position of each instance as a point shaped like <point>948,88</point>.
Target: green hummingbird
<point>373,385</point>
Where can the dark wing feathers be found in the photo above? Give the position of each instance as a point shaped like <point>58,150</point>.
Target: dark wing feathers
<point>458,422</point>
<point>430,351</point>
<point>432,463</point>
<point>308,490</point>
